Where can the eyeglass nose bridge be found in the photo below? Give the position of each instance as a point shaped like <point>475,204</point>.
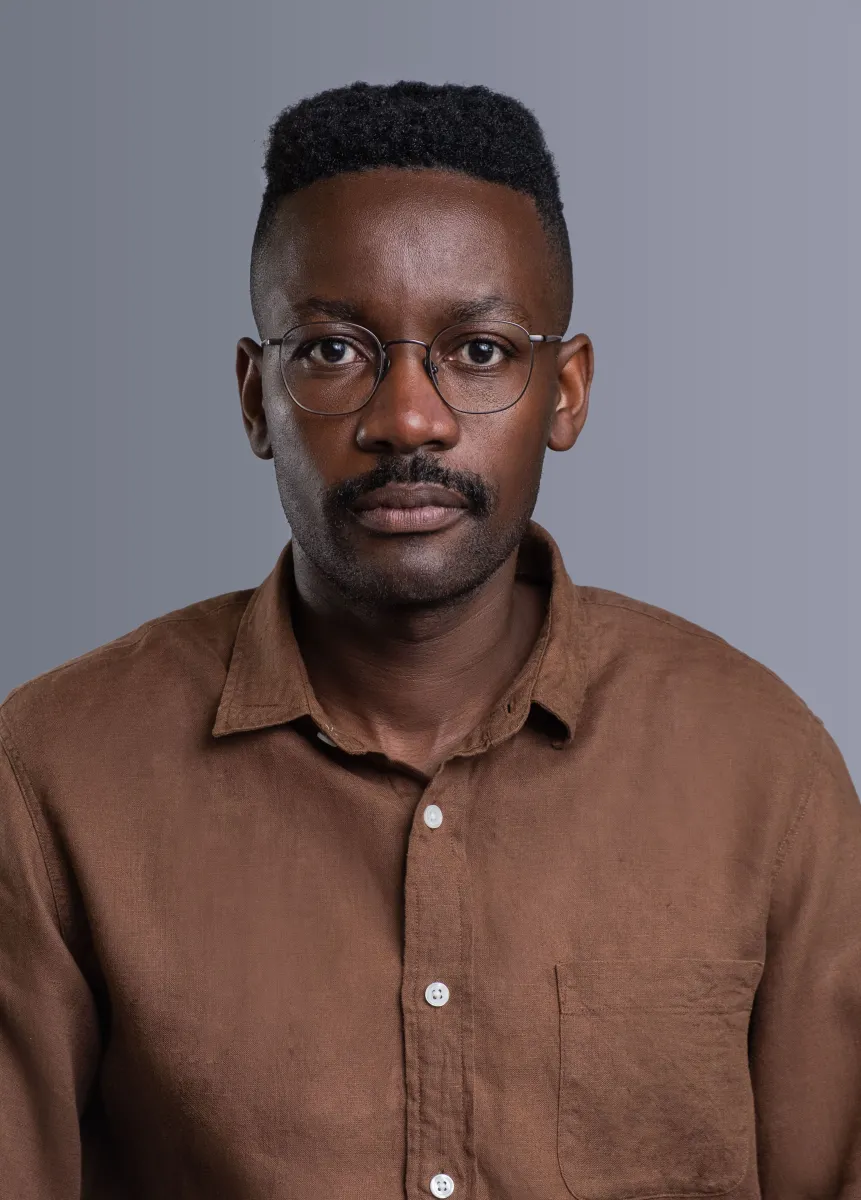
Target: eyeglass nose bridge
<point>430,368</point>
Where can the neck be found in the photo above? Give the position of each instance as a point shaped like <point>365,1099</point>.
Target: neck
<point>413,682</point>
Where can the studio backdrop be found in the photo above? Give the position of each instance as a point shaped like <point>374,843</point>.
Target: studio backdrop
<point>708,153</point>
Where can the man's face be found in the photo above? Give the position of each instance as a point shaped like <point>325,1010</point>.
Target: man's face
<point>402,253</point>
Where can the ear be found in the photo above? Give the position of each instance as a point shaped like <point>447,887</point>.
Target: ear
<point>576,364</point>
<point>249,358</point>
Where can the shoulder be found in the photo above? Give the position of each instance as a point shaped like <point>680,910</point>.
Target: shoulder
<point>691,677</point>
<point>185,650</point>
<point>623,625</point>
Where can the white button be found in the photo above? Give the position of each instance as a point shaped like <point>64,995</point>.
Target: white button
<point>442,1185</point>
<point>437,995</point>
<point>433,816</point>
<point>325,739</point>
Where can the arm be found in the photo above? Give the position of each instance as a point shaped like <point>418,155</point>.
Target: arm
<point>48,1029</point>
<point>805,1039</point>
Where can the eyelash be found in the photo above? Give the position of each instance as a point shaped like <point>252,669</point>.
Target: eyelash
<point>306,350</point>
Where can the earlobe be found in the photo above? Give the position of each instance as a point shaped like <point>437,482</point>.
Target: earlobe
<point>563,429</point>
<point>250,381</point>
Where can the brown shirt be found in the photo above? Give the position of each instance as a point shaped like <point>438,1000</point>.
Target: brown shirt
<point>610,949</point>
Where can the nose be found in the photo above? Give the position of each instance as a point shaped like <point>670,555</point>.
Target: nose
<point>406,413</point>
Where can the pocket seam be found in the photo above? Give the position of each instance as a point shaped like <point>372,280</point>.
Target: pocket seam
<point>568,1008</point>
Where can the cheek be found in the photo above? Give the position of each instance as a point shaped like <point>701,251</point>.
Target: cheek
<point>300,454</point>
<point>518,439</point>
<point>509,453</point>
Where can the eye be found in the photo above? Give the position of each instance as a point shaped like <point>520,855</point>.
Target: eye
<point>331,352</point>
<point>480,352</point>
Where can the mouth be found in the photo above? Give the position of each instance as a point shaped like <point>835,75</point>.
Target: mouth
<point>410,508</point>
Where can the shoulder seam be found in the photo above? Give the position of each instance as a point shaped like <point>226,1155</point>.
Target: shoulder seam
<point>121,643</point>
<point>708,635</point>
<point>26,790</point>
<point>786,842</point>
<point>682,628</point>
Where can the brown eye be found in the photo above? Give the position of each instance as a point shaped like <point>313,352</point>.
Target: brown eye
<point>331,352</point>
<point>479,352</point>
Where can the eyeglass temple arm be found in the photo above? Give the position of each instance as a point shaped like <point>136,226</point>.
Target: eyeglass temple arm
<point>533,337</point>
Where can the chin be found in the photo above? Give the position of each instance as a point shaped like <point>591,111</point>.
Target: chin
<point>408,588</point>
<point>381,573</point>
<point>425,570</point>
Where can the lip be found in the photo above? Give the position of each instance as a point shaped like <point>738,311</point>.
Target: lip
<point>409,508</point>
<point>409,495</point>
<point>426,518</point>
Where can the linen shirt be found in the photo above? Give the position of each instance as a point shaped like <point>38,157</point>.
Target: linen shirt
<point>609,949</point>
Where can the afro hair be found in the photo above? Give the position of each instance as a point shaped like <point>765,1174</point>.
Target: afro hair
<point>409,124</point>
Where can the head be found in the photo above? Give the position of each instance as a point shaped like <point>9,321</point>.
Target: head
<point>406,209</point>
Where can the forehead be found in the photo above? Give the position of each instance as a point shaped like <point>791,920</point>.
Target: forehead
<point>406,245</point>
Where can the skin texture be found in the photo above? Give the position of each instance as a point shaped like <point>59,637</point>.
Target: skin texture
<point>410,638</point>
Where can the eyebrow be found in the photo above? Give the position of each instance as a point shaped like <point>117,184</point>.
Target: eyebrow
<point>316,308</point>
<point>487,306</point>
<point>473,309</point>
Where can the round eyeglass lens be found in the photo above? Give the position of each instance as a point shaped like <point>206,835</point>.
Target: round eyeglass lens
<point>482,368</point>
<point>330,366</point>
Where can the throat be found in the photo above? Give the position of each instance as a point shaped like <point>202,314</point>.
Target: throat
<point>416,699</point>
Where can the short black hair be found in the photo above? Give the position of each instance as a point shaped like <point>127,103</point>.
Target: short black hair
<point>410,124</point>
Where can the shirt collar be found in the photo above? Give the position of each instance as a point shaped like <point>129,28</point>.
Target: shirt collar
<point>267,683</point>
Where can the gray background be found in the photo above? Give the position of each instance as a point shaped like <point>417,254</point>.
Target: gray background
<point>704,150</point>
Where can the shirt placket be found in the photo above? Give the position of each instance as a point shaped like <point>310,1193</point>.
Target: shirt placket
<point>437,995</point>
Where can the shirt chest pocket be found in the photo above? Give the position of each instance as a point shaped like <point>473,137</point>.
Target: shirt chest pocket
<point>655,1098</point>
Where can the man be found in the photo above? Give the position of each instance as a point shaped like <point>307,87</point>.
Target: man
<point>419,869</point>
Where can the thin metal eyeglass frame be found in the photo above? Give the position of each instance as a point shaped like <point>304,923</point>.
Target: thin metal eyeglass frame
<point>430,368</point>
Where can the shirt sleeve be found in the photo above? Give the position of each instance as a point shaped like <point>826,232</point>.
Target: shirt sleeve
<point>48,1027</point>
<point>805,1036</point>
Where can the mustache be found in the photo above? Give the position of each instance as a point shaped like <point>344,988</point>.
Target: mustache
<point>413,468</point>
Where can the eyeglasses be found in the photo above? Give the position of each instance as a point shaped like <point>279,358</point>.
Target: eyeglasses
<point>334,367</point>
